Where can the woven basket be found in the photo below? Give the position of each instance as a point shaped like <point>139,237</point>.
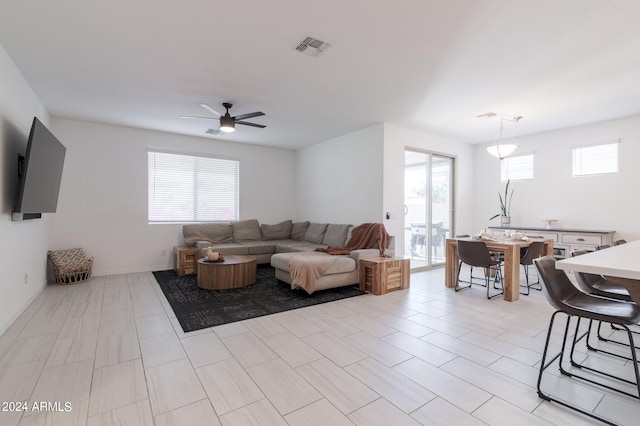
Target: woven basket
<point>70,266</point>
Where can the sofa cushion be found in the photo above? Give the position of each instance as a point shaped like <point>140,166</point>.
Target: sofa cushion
<point>315,233</point>
<point>336,235</point>
<point>246,230</point>
<point>203,244</point>
<point>308,247</point>
<point>298,230</point>
<point>342,264</point>
<point>259,247</point>
<point>280,231</point>
<point>215,232</point>
<point>289,246</point>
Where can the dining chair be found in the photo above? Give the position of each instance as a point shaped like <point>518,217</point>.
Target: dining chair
<point>618,242</point>
<point>602,246</point>
<point>575,304</point>
<point>476,254</point>
<point>527,255</point>
<point>600,286</point>
<point>468,236</point>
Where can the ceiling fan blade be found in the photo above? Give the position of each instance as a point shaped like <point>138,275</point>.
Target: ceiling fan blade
<point>250,115</point>
<point>246,123</point>
<point>211,110</point>
<point>189,117</point>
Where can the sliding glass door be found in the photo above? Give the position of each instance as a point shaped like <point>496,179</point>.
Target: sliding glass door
<point>428,197</point>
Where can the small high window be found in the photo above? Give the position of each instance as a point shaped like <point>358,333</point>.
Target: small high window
<point>595,160</point>
<point>516,168</point>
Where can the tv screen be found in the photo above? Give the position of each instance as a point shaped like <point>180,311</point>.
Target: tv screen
<point>41,172</point>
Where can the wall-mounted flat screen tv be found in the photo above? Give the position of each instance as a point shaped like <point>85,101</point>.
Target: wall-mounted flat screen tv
<point>40,173</point>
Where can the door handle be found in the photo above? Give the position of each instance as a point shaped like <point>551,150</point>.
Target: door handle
<point>406,209</point>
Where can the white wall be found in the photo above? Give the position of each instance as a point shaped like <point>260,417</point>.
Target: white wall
<point>396,139</point>
<point>103,198</point>
<point>340,180</point>
<point>23,245</point>
<point>605,202</point>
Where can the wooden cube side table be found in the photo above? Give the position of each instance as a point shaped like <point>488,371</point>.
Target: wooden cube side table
<point>184,260</point>
<point>380,275</point>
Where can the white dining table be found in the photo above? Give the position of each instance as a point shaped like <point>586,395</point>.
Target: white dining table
<point>618,264</point>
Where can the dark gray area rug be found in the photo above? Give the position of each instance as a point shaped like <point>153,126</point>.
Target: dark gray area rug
<point>197,308</point>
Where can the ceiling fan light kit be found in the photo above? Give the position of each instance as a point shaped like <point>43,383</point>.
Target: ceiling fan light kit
<point>500,147</point>
<point>227,122</point>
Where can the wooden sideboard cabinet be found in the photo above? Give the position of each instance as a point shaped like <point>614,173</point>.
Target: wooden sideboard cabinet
<point>564,240</point>
<point>184,260</point>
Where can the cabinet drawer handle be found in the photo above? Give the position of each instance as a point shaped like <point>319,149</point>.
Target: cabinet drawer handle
<point>580,239</point>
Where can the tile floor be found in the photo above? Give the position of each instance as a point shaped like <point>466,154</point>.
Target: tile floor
<point>113,350</point>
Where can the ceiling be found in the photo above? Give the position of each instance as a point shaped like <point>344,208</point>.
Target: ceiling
<point>432,65</point>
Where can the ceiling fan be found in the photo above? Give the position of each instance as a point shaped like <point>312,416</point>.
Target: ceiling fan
<point>227,122</point>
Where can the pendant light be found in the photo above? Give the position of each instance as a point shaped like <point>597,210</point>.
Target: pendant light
<point>500,147</point>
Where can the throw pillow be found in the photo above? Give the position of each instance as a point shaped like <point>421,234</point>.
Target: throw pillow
<point>280,231</point>
<point>246,230</point>
<point>315,233</point>
<point>336,235</point>
<point>217,233</point>
<point>298,230</point>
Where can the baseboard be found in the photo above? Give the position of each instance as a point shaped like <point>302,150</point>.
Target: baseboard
<point>14,317</point>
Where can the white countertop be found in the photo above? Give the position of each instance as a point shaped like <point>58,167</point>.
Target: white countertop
<point>618,261</point>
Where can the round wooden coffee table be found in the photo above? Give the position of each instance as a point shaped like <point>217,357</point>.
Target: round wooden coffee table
<point>232,272</point>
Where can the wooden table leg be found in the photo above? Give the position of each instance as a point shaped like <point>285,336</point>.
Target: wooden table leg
<point>451,264</point>
<point>511,279</point>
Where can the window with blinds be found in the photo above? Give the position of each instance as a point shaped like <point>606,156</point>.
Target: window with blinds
<point>187,188</point>
<point>595,160</point>
<point>516,168</point>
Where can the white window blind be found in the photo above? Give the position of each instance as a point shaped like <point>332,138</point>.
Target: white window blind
<point>595,160</point>
<point>517,168</point>
<point>186,188</point>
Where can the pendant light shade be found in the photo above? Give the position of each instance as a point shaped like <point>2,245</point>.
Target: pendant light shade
<point>503,148</point>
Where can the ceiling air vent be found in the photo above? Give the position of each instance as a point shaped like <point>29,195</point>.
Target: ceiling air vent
<point>213,131</point>
<point>312,46</point>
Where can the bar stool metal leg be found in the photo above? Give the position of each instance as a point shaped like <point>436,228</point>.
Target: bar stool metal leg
<point>544,364</point>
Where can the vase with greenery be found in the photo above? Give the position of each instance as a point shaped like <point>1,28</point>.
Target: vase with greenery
<point>505,206</point>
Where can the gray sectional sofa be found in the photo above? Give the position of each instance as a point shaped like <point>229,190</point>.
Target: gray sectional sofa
<point>276,244</point>
<point>248,237</point>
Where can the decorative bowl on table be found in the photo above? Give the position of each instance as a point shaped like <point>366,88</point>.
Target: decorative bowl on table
<point>205,260</point>
<point>514,235</point>
<point>214,256</point>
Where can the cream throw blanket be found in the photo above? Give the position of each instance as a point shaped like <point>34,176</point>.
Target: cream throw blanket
<point>305,270</point>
